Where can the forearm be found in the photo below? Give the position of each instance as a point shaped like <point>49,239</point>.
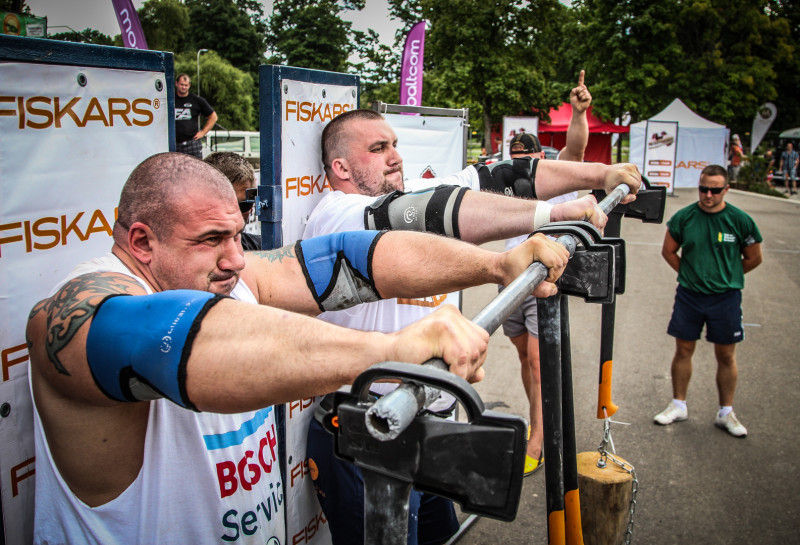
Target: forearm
<point>673,259</point>
<point>212,119</point>
<point>577,138</point>
<point>484,216</point>
<point>408,264</point>
<point>247,357</point>
<point>555,178</point>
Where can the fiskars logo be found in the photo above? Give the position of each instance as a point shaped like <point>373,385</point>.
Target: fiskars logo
<point>314,111</point>
<point>43,112</point>
<point>51,231</point>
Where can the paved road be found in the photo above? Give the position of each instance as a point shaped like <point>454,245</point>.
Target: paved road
<point>698,485</point>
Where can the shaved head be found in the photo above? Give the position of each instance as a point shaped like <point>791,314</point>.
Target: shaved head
<point>335,134</point>
<point>154,193</point>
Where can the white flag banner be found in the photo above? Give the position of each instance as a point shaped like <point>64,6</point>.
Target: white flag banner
<point>659,155</point>
<point>765,115</point>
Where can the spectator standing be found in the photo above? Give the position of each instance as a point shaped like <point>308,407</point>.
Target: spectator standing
<point>788,166</point>
<point>188,107</point>
<point>718,244</point>
<point>737,155</point>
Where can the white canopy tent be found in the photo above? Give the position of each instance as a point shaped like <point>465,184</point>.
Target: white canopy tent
<point>700,142</point>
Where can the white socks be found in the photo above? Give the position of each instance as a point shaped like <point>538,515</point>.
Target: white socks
<point>723,411</point>
<point>681,404</point>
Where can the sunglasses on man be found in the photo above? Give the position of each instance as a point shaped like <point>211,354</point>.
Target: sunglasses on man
<point>714,190</point>
<point>249,200</point>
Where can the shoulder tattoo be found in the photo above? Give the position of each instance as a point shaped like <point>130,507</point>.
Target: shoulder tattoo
<point>277,254</point>
<point>71,306</point>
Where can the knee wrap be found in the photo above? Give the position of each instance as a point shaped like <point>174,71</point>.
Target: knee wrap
<point>430,210</point>
<point>514,177</point>
<point>338,268</point>
<point>138,346</point>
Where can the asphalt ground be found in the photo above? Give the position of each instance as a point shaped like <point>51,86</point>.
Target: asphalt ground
<point>697,484</point>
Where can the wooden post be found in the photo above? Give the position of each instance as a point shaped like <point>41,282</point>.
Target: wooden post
<point>605,500</point>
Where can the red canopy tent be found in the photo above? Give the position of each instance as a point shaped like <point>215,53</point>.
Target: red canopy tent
<point>598,149</point>
<point>554,134</point>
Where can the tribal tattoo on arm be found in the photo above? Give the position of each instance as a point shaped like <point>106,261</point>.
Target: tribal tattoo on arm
<point>75,303</point>
<point>277,254</point>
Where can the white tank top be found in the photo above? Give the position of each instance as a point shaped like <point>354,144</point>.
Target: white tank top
<point>205,478</point>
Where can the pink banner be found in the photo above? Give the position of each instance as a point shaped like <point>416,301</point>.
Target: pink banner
<point>132,34</point>
<point>411,74</point>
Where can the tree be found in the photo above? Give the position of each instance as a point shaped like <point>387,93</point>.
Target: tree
<point>718,56</point>
<point>226,27</point>
<point>86,36</point>
<point>493,57</point>
<point>165,23</point>
<point>788,70</point>
<point>230,91</point>
<point>312,34</point>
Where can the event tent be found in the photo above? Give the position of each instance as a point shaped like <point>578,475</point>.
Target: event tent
<point>700,142</point>
<point>598,149</point>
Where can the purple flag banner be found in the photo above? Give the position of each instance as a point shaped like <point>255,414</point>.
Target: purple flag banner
<point>411,73</point>
<point>132,34</point>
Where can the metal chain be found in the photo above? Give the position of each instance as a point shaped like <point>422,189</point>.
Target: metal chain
<point>601,463</point>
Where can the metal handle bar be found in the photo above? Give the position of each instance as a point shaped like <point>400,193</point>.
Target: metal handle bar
<point>392,413</point>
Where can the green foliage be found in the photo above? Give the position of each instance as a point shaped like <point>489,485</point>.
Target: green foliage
<point>718,56</point>
<point>493,56</point>
<point>227,28</point>
<point>312,34</point>
<point>164,23</point>
<point>230,91</point>
<point>87,36</point>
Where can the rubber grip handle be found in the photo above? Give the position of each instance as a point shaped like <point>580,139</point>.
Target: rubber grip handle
<point>604,392</point>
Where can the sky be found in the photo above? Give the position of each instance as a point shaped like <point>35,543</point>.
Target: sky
<point>99,15</point>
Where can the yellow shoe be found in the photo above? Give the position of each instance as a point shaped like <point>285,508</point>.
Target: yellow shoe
<point>533,465</point>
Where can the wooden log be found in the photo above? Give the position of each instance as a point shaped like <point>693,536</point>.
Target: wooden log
<point>605,500</point>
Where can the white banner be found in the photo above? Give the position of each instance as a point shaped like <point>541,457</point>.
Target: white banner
<point>69,137</point>
<point>659,155</point>
<point>306,109</point>
<point>431,147</point>
<point>765,115</point>
<point>513,126</point>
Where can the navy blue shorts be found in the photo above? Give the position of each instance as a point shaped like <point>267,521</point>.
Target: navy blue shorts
<point>721,313</point>
<point>340,490</point>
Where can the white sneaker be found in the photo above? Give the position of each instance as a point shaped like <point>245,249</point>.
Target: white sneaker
<point>731,424</point>
<point>671,414</point>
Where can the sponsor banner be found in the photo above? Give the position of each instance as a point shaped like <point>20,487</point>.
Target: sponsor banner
<point>305,109</point>
<point>411,69</point>
<point>19,24</point>
<point>661,146</point>
<point>129,25</point>
<point>431,147</point>
<point>513,126</point>
<point>765,115</point>
<point>69,137</point>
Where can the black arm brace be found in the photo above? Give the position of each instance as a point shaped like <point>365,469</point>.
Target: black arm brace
<point>513,177</point>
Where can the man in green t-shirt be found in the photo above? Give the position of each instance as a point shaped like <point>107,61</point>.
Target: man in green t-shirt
<point>718,244</point>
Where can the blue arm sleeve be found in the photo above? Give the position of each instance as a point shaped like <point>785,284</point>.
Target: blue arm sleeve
<point>338,268</point>
<point>138,346</point>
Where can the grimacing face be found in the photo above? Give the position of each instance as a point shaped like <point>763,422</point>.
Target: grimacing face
<point>203,251</point>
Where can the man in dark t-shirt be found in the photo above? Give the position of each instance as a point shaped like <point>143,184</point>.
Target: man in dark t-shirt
<point>718,244</point>
<point>188,107</point>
